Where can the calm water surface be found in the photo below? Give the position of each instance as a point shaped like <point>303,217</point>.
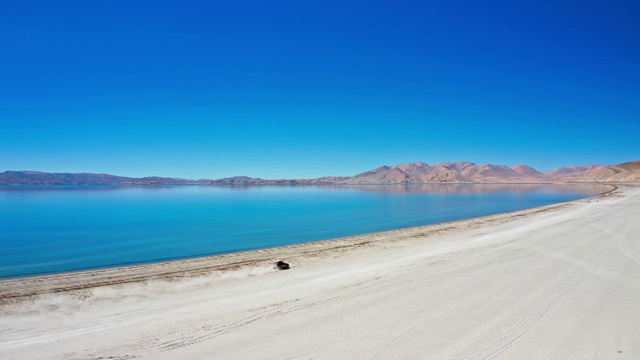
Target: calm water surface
<point>53,229</point>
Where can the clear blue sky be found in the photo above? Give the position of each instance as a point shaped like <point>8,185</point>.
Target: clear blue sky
<point>295,89</point>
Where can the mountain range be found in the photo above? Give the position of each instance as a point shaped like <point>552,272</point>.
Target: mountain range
<point>417,172</point>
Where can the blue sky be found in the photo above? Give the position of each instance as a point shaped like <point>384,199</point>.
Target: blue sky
<point>299,89</point>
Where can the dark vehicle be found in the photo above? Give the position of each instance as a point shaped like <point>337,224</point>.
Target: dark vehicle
<point>280,265</point>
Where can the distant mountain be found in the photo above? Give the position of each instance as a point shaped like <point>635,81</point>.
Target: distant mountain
<point>630,166</point>
<point>527,171</point>
<point>629,171</point>
<point>417,172</point>
<point>572,171</point>
<point>244,180</point>
<point>420,172</point>
<point>43,178</point>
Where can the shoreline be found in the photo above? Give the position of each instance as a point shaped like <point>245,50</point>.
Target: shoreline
<point>555,282</point>
<point>18,288</point>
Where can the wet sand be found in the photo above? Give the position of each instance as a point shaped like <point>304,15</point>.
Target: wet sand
<point>557,282</point>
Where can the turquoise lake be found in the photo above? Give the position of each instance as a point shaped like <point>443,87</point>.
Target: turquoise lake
<point>52,229</point>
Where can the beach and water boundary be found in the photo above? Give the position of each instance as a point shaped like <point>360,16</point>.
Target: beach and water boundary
<point>14,288</point>
<point>49,230</point>
<point>557,282</point>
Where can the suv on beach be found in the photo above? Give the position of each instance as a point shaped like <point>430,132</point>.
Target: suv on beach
<point>280,265</point>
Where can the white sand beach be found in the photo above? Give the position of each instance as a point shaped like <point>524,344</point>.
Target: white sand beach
<point>558,282</point>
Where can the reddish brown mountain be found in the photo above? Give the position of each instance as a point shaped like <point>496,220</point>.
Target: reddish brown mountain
<point>630,166</point>
<point>629,171</point>
<point>528,172</point>
<point>417,172</point>
<point>420,172</point>
<point>572,171</point>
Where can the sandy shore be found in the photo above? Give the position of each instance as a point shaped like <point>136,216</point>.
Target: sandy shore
<point>558,282</point>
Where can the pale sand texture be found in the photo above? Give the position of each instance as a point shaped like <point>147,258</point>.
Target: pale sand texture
<point>560,282</point>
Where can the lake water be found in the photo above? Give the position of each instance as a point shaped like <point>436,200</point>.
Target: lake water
<point>54,229</point>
